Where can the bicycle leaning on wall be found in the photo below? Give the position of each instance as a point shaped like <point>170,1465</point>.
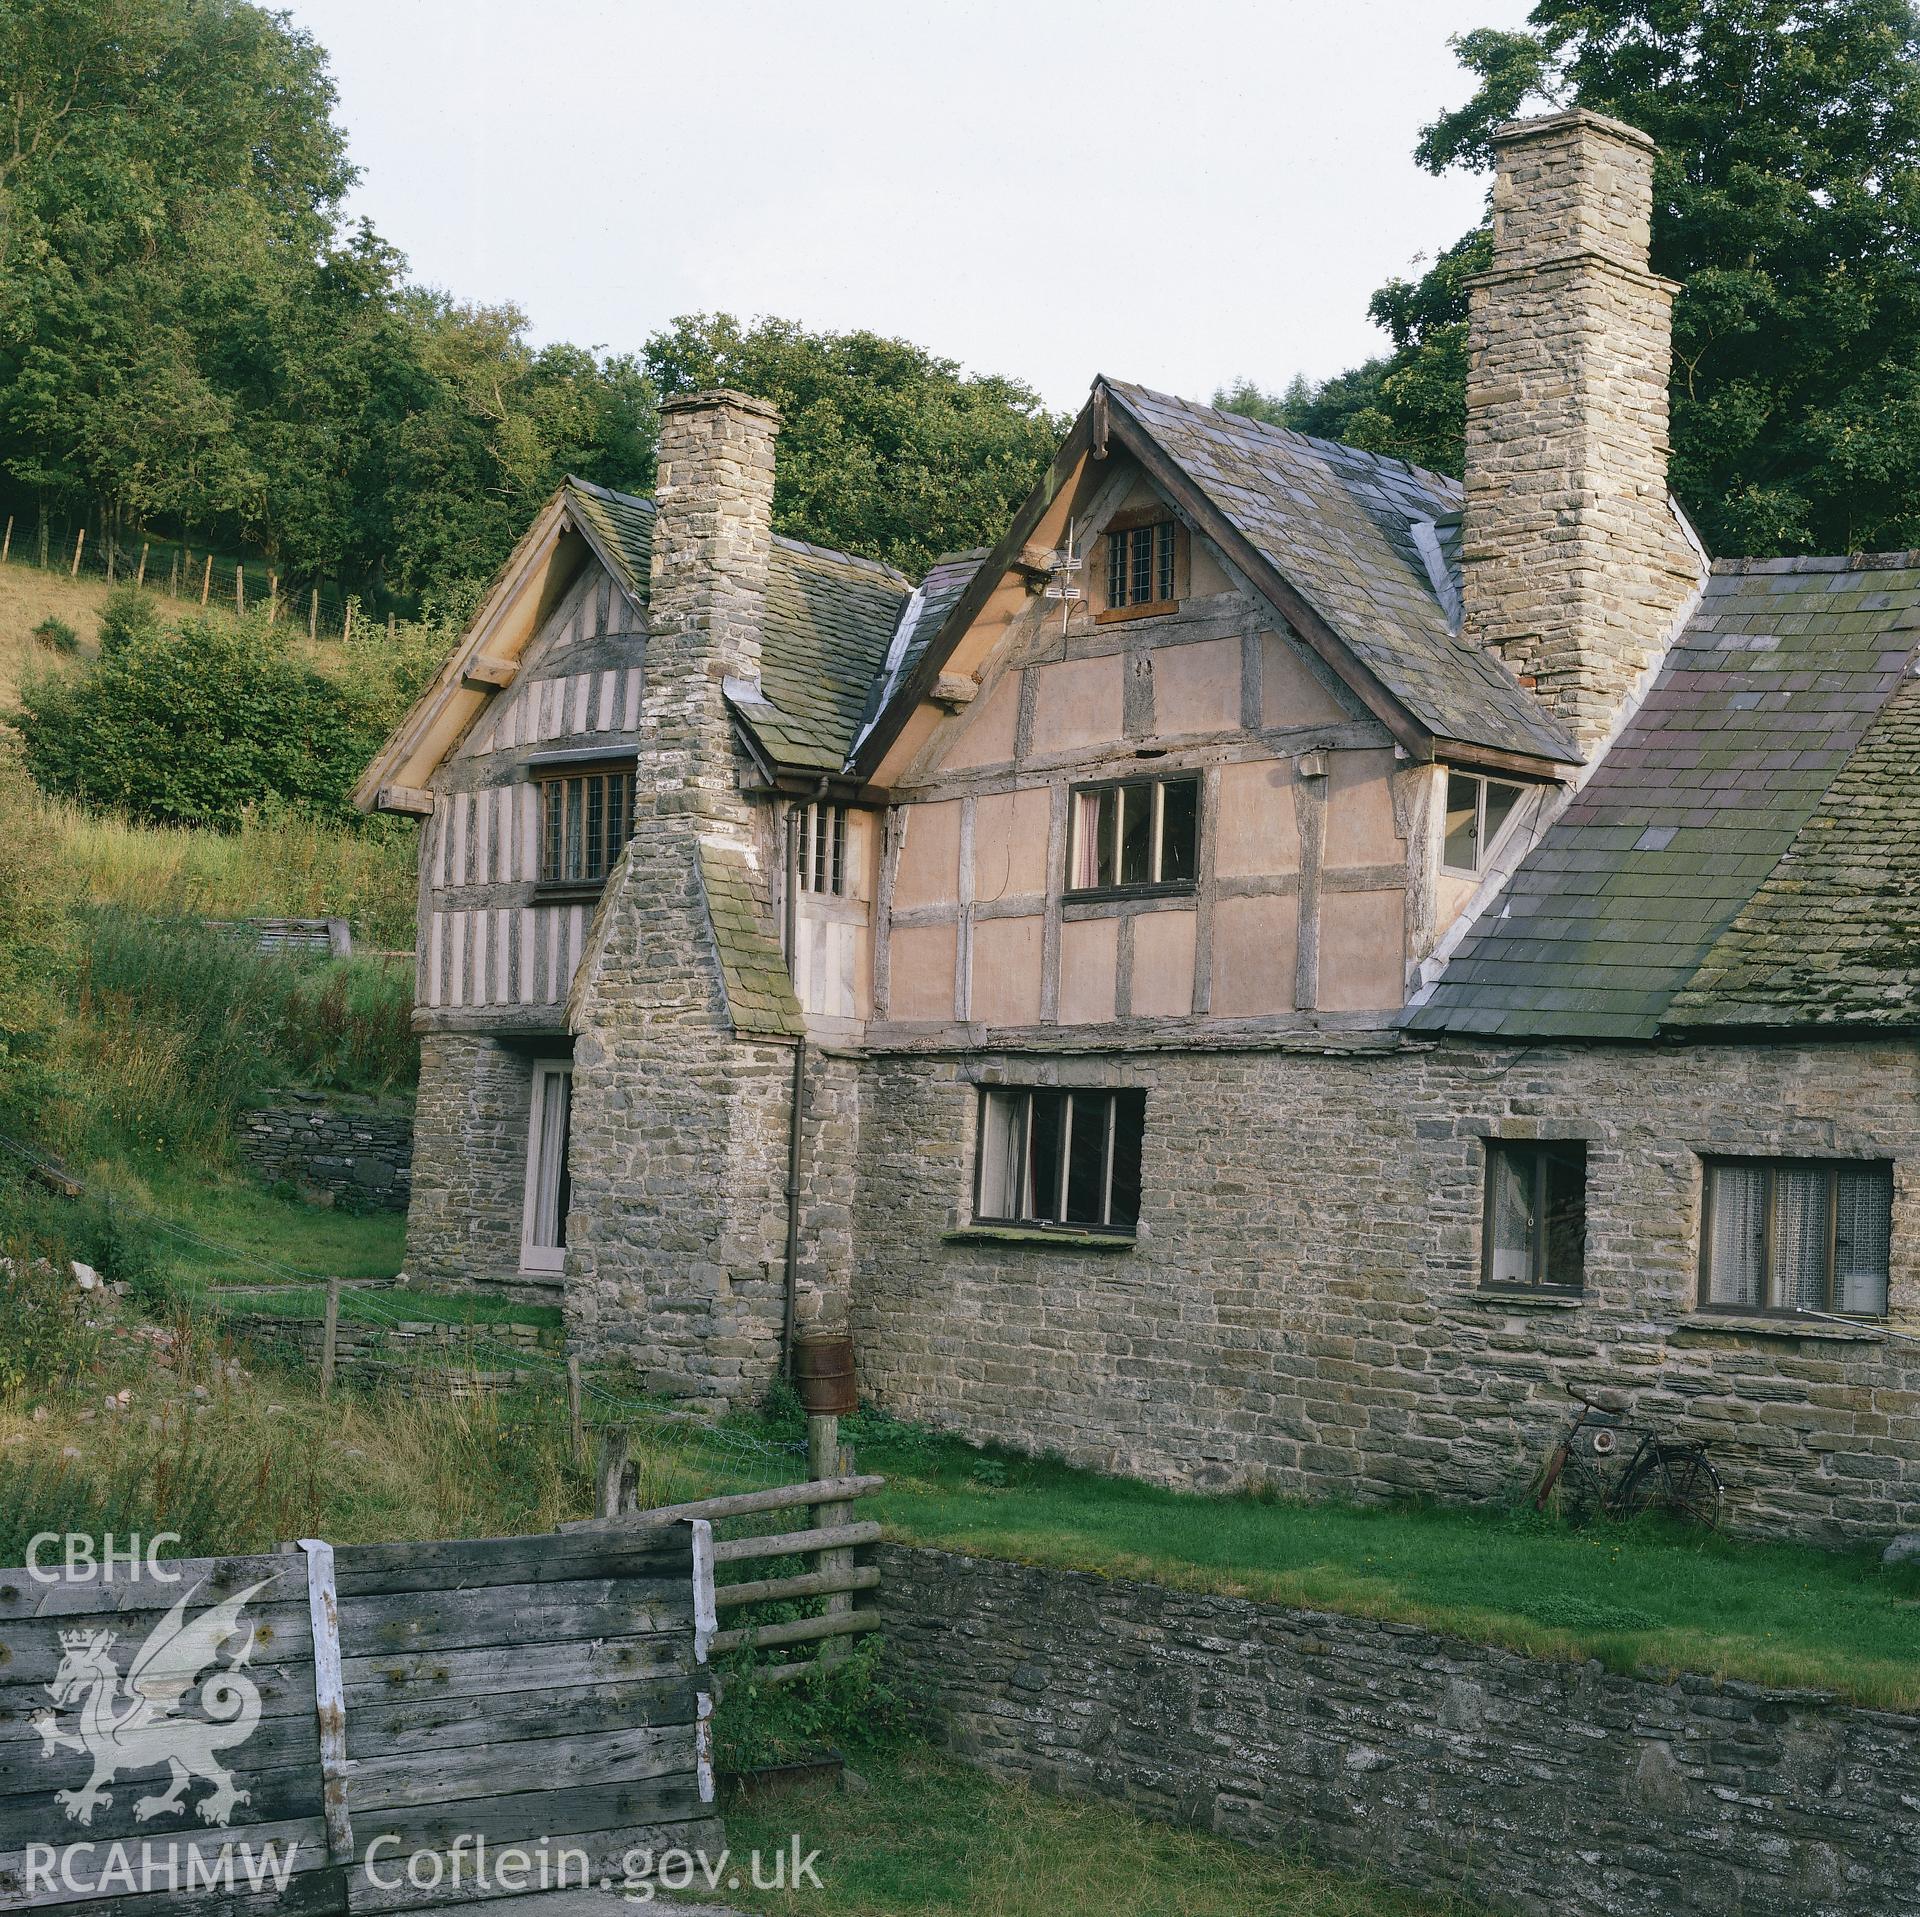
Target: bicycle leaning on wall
<point>1594,1471</point>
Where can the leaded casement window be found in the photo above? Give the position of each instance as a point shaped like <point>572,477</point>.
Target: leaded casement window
<point>549,1193</point>
<point>1785,1234</point>
<point>1063,1159</point>
<point>1477,813</point>
<point>1534,1234</point>
<point>1141,835</point>
<point>586,818</point>
<point>1140,566</point>
<point>822,852</point>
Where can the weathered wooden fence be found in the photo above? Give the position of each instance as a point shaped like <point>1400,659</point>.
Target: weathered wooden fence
<point>379,1728</point>
<point>829,1543</point>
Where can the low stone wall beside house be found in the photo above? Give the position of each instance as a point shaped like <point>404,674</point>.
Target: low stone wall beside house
<point>358,1151</point>
<point>1437,1764</point>
<point>420,1350</point>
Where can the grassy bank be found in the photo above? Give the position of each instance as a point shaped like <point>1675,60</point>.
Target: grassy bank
<point>1642,1597</point>
<point>928,1837</point>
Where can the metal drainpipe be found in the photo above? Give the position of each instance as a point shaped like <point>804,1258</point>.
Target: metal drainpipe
<point>798,1108</point>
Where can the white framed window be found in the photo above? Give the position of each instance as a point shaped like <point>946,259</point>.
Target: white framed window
<point>543,1231</point>
<point>822,857</point>
<point>1142,835</point>
<point>1066,1159</point>
<point>1478,811</point>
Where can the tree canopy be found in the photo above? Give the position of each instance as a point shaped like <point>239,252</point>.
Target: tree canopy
<point>194,338</point>
<point>884,449</point>
<point>1787,205</point>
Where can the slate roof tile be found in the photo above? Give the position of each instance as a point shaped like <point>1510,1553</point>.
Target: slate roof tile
<point>1779,774</point>
<point>1338,524</point>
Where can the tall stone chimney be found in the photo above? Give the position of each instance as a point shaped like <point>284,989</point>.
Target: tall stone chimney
<point>683,1018</point>
<point>712,538</point>
<point>1574,566</point>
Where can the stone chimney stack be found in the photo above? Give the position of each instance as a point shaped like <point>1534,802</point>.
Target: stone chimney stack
<point>1574,567</point>
<point>712,538</point>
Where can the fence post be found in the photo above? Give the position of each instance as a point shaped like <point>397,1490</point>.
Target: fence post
<point>576,1427</point>
<point>313,615</point>
<point>206,580</point>
<point>240,592</point>
<point>140,573</point>
<point>43,539</point>
<point>329,1349</point>
<point>613,1470</point>
<point>173,578</point>
<point>346,631</point>
<point>79,540</point>
<point>113,546</point>
<point>389,628</point>
<point>6,544</point>
<point>826,1459</point>
<point>273,597</point>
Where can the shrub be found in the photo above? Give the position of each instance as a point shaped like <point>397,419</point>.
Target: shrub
<point>56,635</point>
<point>45,1339</point>
<point>199,725</point>
<point>129,617</point>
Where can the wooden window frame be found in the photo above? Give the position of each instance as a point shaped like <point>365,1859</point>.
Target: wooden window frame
<point>1125,525</point>
<point>537,1257</point>
<point>1540,1150</point>
<point>1483,848</point>
<point>1069,1095</point>
<point>1833,1167</point>
<point>822,860</point>
<point>1149,889</point>
<point>548,887</point>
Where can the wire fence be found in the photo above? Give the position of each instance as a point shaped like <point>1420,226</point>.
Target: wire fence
<point>740,1451</point>
<point>189,576</point>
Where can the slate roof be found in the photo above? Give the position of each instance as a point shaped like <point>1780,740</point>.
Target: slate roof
<point>1832,937</point>
<point>1338,523</point>
<point>829,620</point>
<point>936,596</point>
<point>1757,711</point>
<point>760,995</point>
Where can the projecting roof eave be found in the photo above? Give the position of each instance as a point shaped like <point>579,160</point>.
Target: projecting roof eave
<point>1107,420</point>
<point>445,712</point>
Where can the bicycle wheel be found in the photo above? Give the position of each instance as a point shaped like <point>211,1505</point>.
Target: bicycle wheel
<point>1676,1479</point>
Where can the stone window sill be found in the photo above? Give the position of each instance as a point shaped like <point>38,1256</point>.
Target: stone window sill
<point>1763,1325</point>
<point>1033,1235</point>
<point>1496,1299</point>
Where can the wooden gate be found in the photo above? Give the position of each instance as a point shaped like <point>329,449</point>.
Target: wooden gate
<point>376,1728</point>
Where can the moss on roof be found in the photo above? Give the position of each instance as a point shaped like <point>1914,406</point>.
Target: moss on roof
<point>760,996</point>
<point>1756,710</point>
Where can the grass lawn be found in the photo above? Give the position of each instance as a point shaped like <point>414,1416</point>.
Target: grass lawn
<point>931,1837</point>
<point>1635,1597</point>
<point>250,1236</point>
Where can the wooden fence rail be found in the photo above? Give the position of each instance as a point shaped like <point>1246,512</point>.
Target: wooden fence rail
<point>829,1542</point>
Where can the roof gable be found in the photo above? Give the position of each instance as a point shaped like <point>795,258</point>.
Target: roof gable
<point>1762,701</point>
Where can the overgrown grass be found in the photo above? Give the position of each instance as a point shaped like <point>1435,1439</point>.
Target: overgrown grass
<point>929,1837</point>
<point>276,864</point>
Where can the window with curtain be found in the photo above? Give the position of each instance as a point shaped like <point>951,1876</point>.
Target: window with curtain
<point>1535,1230</point>
<point>1797,1235</point>
<point>586,819</point>
<point>1066,1159</point>
<point>1140,836</point>
<point>543,1236</point>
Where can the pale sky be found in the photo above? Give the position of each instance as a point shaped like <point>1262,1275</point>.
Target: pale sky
<point>1169,193</point>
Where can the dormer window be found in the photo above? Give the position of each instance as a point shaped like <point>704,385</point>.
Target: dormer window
<point>1143,568</point>
<point>1477,814</point>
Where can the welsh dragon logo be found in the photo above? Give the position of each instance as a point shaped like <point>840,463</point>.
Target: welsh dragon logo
<point>151,1731</point>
